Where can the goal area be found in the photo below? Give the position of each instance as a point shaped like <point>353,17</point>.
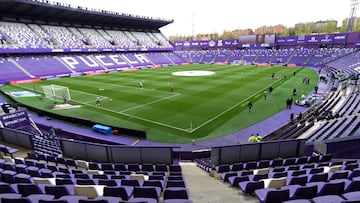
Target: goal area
<point>56,92</point>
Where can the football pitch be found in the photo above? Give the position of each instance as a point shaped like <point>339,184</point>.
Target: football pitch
<point>175,108</point>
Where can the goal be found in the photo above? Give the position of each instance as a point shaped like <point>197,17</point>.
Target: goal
<point>56,92</point>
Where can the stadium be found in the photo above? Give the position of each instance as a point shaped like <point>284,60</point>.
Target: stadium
<point>100,107</point>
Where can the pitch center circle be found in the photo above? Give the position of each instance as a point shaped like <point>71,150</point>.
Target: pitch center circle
<point>193,73</point>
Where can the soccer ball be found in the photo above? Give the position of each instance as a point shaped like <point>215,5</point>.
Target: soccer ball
<point>110,99</point>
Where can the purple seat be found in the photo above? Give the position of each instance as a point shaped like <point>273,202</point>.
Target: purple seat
<point>279,175</point>
<point>271,195</point>
<point>85,182</point>
<point>59,190</point>
<point>176,193</point>
<point>354,173</point>
<point>134,167</point>
<point>111,182</point>
<point>22,178</point>
<point>72,198</point>
<point>100,176</point>
<point>9,166</point>
<point>301,192</point>
<point>94,166</point>
<point>21,168</point>
<point>29,189</point>
<point>351,167</point>
<point>118,177</point>
<point>107,166</point>
<point>172,177</point>
<point>297,180</point>
<point>339,175</point>
<point>353,186</point>
<point>298,201</point>
<point>319,177</point>
<point>33,171</point>
<point>6,188</point>
<point>278,169</point>
<point>235,180</point>
<point>237,167</point>
<point>36,197</point>
<point>15,200</point>
<point>289,161</point>
<point>328,188</point>
<point>53,201</point>
<point>175,168</point>
<point>142,200</point>
<point>155,183</point>
<point>175,183</point>
<point>81,176</point>
<point>325,158</point>
<point>157,177</point>
<point>7,176</point>
<point>93,201</point>
<point>147,167</point>
<point>316,170</point>
<point>258,177</point>
<point>109,199</point>
<point>32,155</point>
<point>46,173</point>
<point>301,160</point>
<point>298,173</point>
<point>120,167</point>
<point>147,192</point>
<point>328,198</point>
<point>71,162</point>
<point>276,163</point>
<point>250,165</point>
<point>314,159</point>
<point>352,195</point>
<point>64,181</point>
<point>249,187</point>
<point>263,164</point>
<point>124,192</point>
<point>161,167</point>
<point>134,183</point>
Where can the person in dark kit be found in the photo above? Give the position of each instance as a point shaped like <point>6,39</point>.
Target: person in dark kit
<point>250,105</point>
<point>294,73</point>
<point>64,98</point>
<point>51,133</point>
<point>273,75</point>
<point>270,89</point>
<point>294,92</point>
<point>299,117</point>
<point>288,103</point>
<point>316,88</point>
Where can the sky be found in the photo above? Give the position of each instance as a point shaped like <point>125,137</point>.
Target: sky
<point>209,16</point>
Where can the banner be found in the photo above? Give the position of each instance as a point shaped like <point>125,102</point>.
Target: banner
<point>15,120</point>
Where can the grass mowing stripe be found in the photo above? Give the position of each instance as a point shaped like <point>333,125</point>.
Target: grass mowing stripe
<point>152,102</point>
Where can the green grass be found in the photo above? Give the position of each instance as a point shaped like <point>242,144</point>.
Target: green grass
<point>199,108</point>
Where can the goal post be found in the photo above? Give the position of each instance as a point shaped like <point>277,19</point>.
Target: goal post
<point>56,92</point>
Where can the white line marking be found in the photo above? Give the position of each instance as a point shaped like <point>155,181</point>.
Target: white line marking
<point>152,102</point>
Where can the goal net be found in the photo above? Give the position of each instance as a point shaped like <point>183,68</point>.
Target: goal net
<point>56,92</point>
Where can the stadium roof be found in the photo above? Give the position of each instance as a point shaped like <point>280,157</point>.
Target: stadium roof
<point>46,10</point>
